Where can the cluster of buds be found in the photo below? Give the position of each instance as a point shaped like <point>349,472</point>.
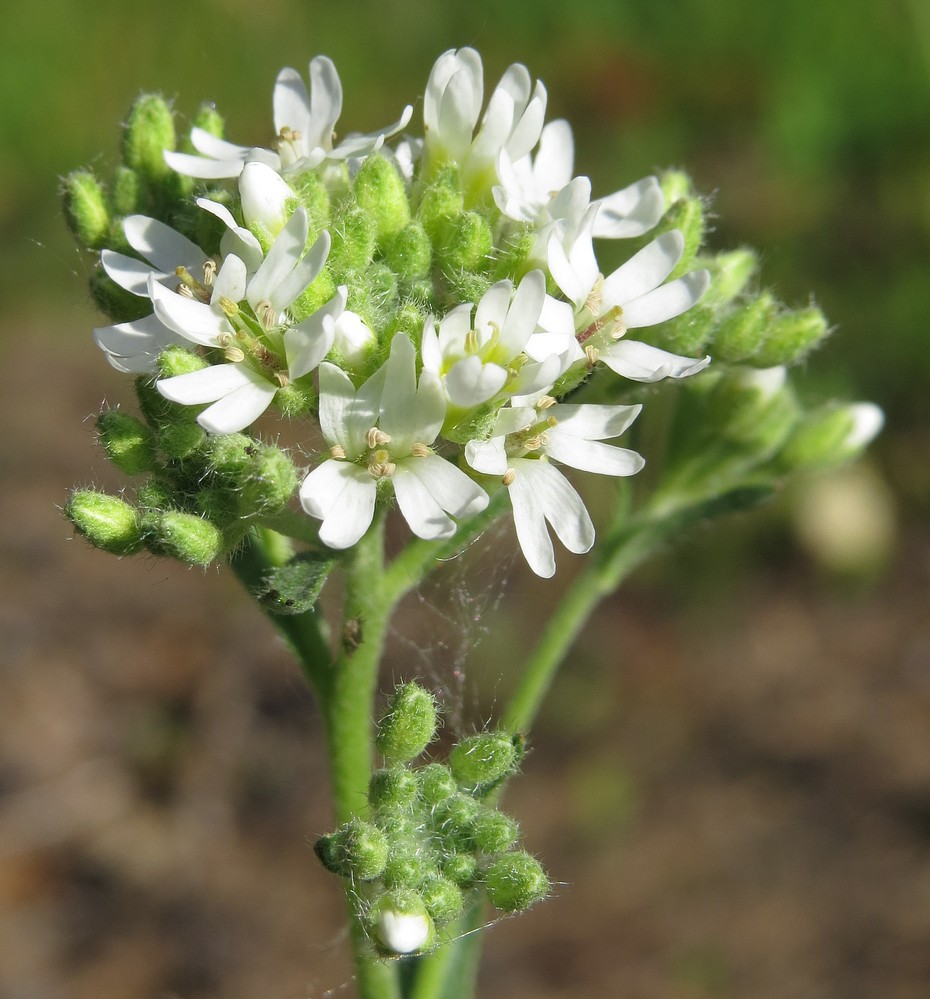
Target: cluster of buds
<point>431,302</point>
<point>432,843</point>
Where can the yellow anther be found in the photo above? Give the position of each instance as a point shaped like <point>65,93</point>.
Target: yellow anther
<point>209,272</point>
<point>419,450</point>
<point>266,314</point>
<point>545,402</point>
<point>184,291</point>
<point>234,354</point>
<point>472,346</point>
<point>282,378</point>
<point>592,354</point>
<point>338,452</point>
<point>551,421</point>
<point>509,477</point>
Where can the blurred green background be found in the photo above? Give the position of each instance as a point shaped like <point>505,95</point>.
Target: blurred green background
<point>734,775</point>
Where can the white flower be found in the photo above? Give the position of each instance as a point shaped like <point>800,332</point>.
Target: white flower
<point>540,190</point>
<point>383,431</point>
<point>247,317</point>
<point>304,125</point>
<point>477,359</point>
<point>512,122</point>
<point>524,440</point>
<point>633,296</point>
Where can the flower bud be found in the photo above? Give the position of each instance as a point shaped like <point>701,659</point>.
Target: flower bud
<point>436,783</point>
<point>514,881</point>
<point>394,788</point>
<point>442,200</point>
<point>753,407</point>
<point>454,820</point>
<point>481,761</point>
<point>360,849</point>
<point>314,196</point>
<point>493,831</point>
<point>210,120</point>
<point>687,216</point>
<point>410,253</point>
<point>467,244</point>
<point>181,438</point>
<point>107,522</point>
<point>676,185</point>
<point>186,537</point>
<point>128,196</point>
<point>460,868</point>
<point>832,435</point>
<point>791,336</point>
<point>409,726</point>
<point>86,211</point>
<point>353,231</point>
<point>129,444</point>
<point>407,865</point>
<point>271,481</point>
<point>729,275</point>
<point>740,334</point>
<point>120,305</point>
<point>380,191</point>
<point>155,494</point>
<point>149,132</point>
<point>177,360</point>
<point>443,899</point>
<point>400,923</point>
<point>514,259</point>
<point>265,197</point>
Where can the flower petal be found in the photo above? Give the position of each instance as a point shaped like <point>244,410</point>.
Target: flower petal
<point>452,488</point>
<point>643,271</point>
<point>239,409</point>
<point>342,495</point>
<point>161,246</point>
<point>470,383</point>
<point>664,303</point>
<point>421,511</point>
<point>592,456</point>
<point>641,362</point>
<point>631,211</point>
<point>279,261</point>
<point>195,321</point>
<point>594,422</point>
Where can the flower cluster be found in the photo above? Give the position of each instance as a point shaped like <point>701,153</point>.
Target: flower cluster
<point>431,301</point>
<point>432,843</point>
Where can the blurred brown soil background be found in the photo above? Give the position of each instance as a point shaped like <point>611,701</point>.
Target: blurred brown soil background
<point>732,790</point>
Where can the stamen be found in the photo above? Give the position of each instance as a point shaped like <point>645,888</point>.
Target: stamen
<point>234,354</point>
<point>471,342</point>
<point>338,452</point>
<point>209,272</point>
<point>377,437</point>
<point>282,378</point>
<point>592,354</point>
<point>551,421</point>
<point>184,291</point>
<point>266,314</point>
<point>545,402</point>
<point>533,443</point>
<point>419,450</point>
<point>509,477</point>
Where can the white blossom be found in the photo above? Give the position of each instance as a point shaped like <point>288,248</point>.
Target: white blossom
<point>383,431</point>
<point>304,123</point>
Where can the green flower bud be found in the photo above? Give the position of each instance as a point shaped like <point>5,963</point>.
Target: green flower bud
<point>313,194</point>
<point>454,820</point>
<point>149,132</point>
<point>436,783</point>
<point>210,120</point>
<point>312,298</point>
<point>687,216</point>
<point>409,726</point>
<point>493,831</point>
<point>482,761</point>
<point>296,398</point>
<point>442,200</point>
<point>353,231</point>
<point>394,788</point>
<point>676,185</point>
<point>514,881</point>
<point>467,244</point>
<point>399,923</point>
<point>177,360</point>
<point>513,260</point>
<point>729,275</point>
<point>685,334</point>
<point>272,480</point>
<point>753,408</point>
<point>379,189</point>
<point>410,253</point>
<point>791,336</point>
<point>186,537</point>
<point>740,333</point>
<point>443,899</point>
<point>361,849</point>
<point>128,196</point>
<point>407,865</point>
<point>328,851</point>
<point>182,438</point>
<point>86,211</point>
<point>230,456</point>
<point>832,435</point>
<point>156,494</point>
<point>129,444</point>
<point>107,522</point>
<point>468,286</point>
<point>460,869</point>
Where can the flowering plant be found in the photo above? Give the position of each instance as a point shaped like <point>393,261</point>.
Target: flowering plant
<point>430,314</point>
